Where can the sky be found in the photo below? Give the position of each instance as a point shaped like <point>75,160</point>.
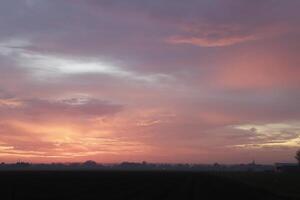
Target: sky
<point>156,80</point>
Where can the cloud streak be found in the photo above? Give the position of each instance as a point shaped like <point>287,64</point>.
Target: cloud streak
<point>225,35</point>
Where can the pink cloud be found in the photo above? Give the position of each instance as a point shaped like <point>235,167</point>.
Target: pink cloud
<point>225,35</point>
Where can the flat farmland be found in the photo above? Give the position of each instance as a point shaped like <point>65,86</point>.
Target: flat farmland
<point>140,185</point>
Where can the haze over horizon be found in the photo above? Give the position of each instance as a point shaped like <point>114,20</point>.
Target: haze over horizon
<point>155,80</point>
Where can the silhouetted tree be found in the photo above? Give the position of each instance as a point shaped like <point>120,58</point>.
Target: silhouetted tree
<point>298,156</point>
<point>90,163</point>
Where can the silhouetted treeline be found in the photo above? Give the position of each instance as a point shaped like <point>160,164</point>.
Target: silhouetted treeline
<point>92,165</point>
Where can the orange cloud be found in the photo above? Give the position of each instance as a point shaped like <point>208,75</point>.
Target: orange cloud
<point>63,141</point>
<point>66,140</point>
<point>10,102</point>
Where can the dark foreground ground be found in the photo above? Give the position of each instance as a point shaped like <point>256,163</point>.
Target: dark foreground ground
<point>148,185</point>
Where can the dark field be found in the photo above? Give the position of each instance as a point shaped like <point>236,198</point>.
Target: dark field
<point>148,185</point>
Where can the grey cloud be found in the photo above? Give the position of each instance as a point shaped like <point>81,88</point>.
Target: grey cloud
<point>39,109</point>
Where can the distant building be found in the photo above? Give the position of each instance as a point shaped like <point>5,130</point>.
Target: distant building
<point>287,167</point>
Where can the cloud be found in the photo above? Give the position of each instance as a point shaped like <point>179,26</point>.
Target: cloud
<point>268,135</point>
<point>63,129</point>
<point>50,146</point>
<point>224,35</point>
<point>104,79</point>
<point>56,109</point>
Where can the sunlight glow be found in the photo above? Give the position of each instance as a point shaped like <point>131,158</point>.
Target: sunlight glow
<point>272,135</point>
